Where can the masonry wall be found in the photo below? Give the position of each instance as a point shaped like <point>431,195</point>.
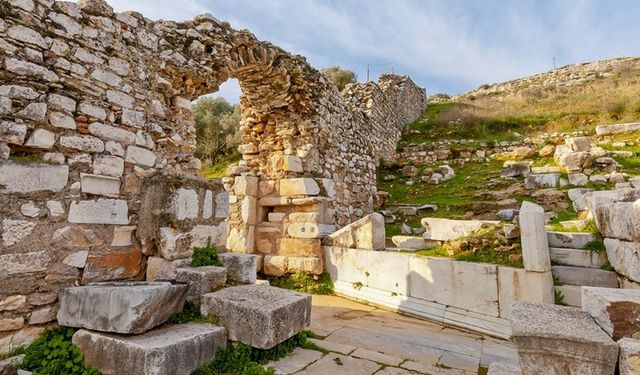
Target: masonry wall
<point>97,175</point>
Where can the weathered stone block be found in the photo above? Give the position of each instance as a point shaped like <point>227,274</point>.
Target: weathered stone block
<point>299,246</point>
<point>14,231</point>
<point>41,138</point>
<point>309,230</point>
<point>515,284</point>
<point>569,240</point>
<point>542,180</point>
<point>619,220</point>
<point>535,249</point>
<point>160,269</point>
<point>84,143</point>
<point>560,340</point>
<point>125,307</point>
<point>629,360</point>
<point>24,178</point>
<point>141,156</point>
<point>246,185</point>
<point>585,276</point>
<point>12,133</point>
<point>624,257</point>
<point>100,185</point>
<point>108,165</point>
<point>367,233</point>
<point>116,265</point>
<point>184,204</point>
<point>15,264</point>
<point>299,186</point>
<point>448,230</point>
<point>101,211</point>
<point>617,311</point>
<point>497,368</point>
<point>259,315</point>
<point>171,350</point>
<point>201,280</point>
<point>409,242</point>
<point>241,268</point>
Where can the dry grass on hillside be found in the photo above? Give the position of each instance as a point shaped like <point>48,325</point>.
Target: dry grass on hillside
<point>565,102</point>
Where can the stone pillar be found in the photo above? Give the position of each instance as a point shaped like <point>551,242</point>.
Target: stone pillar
<point>535,249</point>
<point>243,214</point>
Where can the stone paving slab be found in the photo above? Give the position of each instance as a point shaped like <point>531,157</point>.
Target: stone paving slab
<point>377,357</point>
<point>334,363</point>
<point>298,360</point>
<point>333,346</point>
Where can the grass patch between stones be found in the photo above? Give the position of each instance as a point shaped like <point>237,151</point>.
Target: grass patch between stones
<point>190,313</point>
<point>206,256</point>
<point>303,282</point>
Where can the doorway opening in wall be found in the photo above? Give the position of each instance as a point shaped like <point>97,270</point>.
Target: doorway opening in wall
<point>217,118</point>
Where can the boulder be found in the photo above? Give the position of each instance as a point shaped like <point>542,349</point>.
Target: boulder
<point>120,307</point>
<point>617,311</point>
<point>569,240</point>
<point>259,315</point>
<point>575,161</point>
<point>515,169</point>
<point>578,179</point>
<point>624,257</point>
<point>547,151</point>
<point>629,359</point>
<point>542,181</point>
<point>578,144</point>
<point>560,340</point>
<point>170,350</point>
<point>201,280</point>
<point>241,268</point>
<point>448,230</point>
<point>507,214</point>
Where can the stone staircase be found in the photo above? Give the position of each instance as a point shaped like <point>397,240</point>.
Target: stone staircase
<point>123,326</point>
<point>577,266</point>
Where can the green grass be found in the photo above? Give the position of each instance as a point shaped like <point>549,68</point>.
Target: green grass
<point>13,352</point>
<point>559,298</point>
<point>219,169</point>
<point>303,282</point>
<point>596,246</point>
<point>242,359</point>
<point>206,256</point>
<point>438,251</point>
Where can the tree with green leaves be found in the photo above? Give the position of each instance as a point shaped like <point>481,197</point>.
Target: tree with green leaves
<point>340,77</point>
<point>217,128</point>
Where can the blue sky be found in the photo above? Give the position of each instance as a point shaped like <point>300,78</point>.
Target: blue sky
<point>446,46</point>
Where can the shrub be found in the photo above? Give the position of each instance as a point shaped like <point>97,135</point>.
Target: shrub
<point>206,256</point>
<point>340,77</point>
<point>54,353</point>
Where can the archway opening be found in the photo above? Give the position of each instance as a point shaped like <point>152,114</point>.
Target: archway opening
<point>217,119</point>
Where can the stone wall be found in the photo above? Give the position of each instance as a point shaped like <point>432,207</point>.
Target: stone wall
<point>97,173</point>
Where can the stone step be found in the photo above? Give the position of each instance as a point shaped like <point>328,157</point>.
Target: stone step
<point>120,307</point>
<point>571,293</point>
<point>578,257</point>
<point>580,276</point>
<point>569,240</point>
<point>172,349</point>
<point>259,315</point>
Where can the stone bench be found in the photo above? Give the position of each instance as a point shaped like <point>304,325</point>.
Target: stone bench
<point>173,349</point>
<point>120,307</point>
<point>259,315</point>
<point>560,340</point>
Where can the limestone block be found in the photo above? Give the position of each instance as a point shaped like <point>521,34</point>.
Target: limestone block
<point>246,185</point>
<point>309,230</point>
<point>101,211</point>
<point>542,180</point>
<point>13,302</point>
<point>309,265</point>
<point>124,307</point>
<point>619,220</point>
<point>448,230</point>
<point>409,242</point>
<point>112,133</point>
<point>41,138</point>
<point>207,209</point>
<point>276,217</point>
<point>560,340</point>
<point>140,156</point>
<point>241,268</point>
<point>575,161</point>
<point>241,238</point>
<point>515,284</point>
<point>498,368</point>
<point>121,99</point>
<point>185,204</point>
<point>249,210</point>
<point>222,205</point>
<point>577,257</point>
<point>259,315</point>
<point>160,269</point>
<point>34,111</point>
<point>535,249</point>
<point>75,236</point>
<point>173,244</point>
<point>201,280</point>
<point>578,144</point>
<point>268,238</point>
<point>108,165</point>
<point>569,240</point>
<point>275,265</point>
<point>24,178</point>
<point>629,359</point>
<point>288,163</point>
<point>470,286</point>
<point>61,102</point>
<point>624,257</point>
<point>170,350</point>
<point>84,143</point>
<point>77,259</point>
<point>100,185</point>
<point>14,231</point>
<point>27,35</point>
<point>11,324</point>
<point>115,265</point>
<point>328,187</point>
<point>515,169</point>
<point>616,311</point>
<point>93,111</point>
<point>30,210</point>
<point>12,133</point>
<point>299,186</point>
<point>577,197</point>
<point>585,276</point>
<point>15,264</point>
<point>43,315</point>
<point>367,233</point>
<point>122,236</point>
<point>299,246</point>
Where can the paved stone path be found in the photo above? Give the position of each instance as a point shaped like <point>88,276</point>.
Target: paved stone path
<point>365,340</point>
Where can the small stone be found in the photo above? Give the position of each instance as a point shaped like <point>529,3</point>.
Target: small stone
<point>84,143</point>
<point>43,315</point>
<point>140,156</point>
<point>77,259</point>
<point>12,133</point>
<point>41,138</point>
<point>14,231</point>
<point>13,302</point>
<point>34,111</point>
<point>61,120</point>
<point>30,210</point>
<point>62,102</point>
